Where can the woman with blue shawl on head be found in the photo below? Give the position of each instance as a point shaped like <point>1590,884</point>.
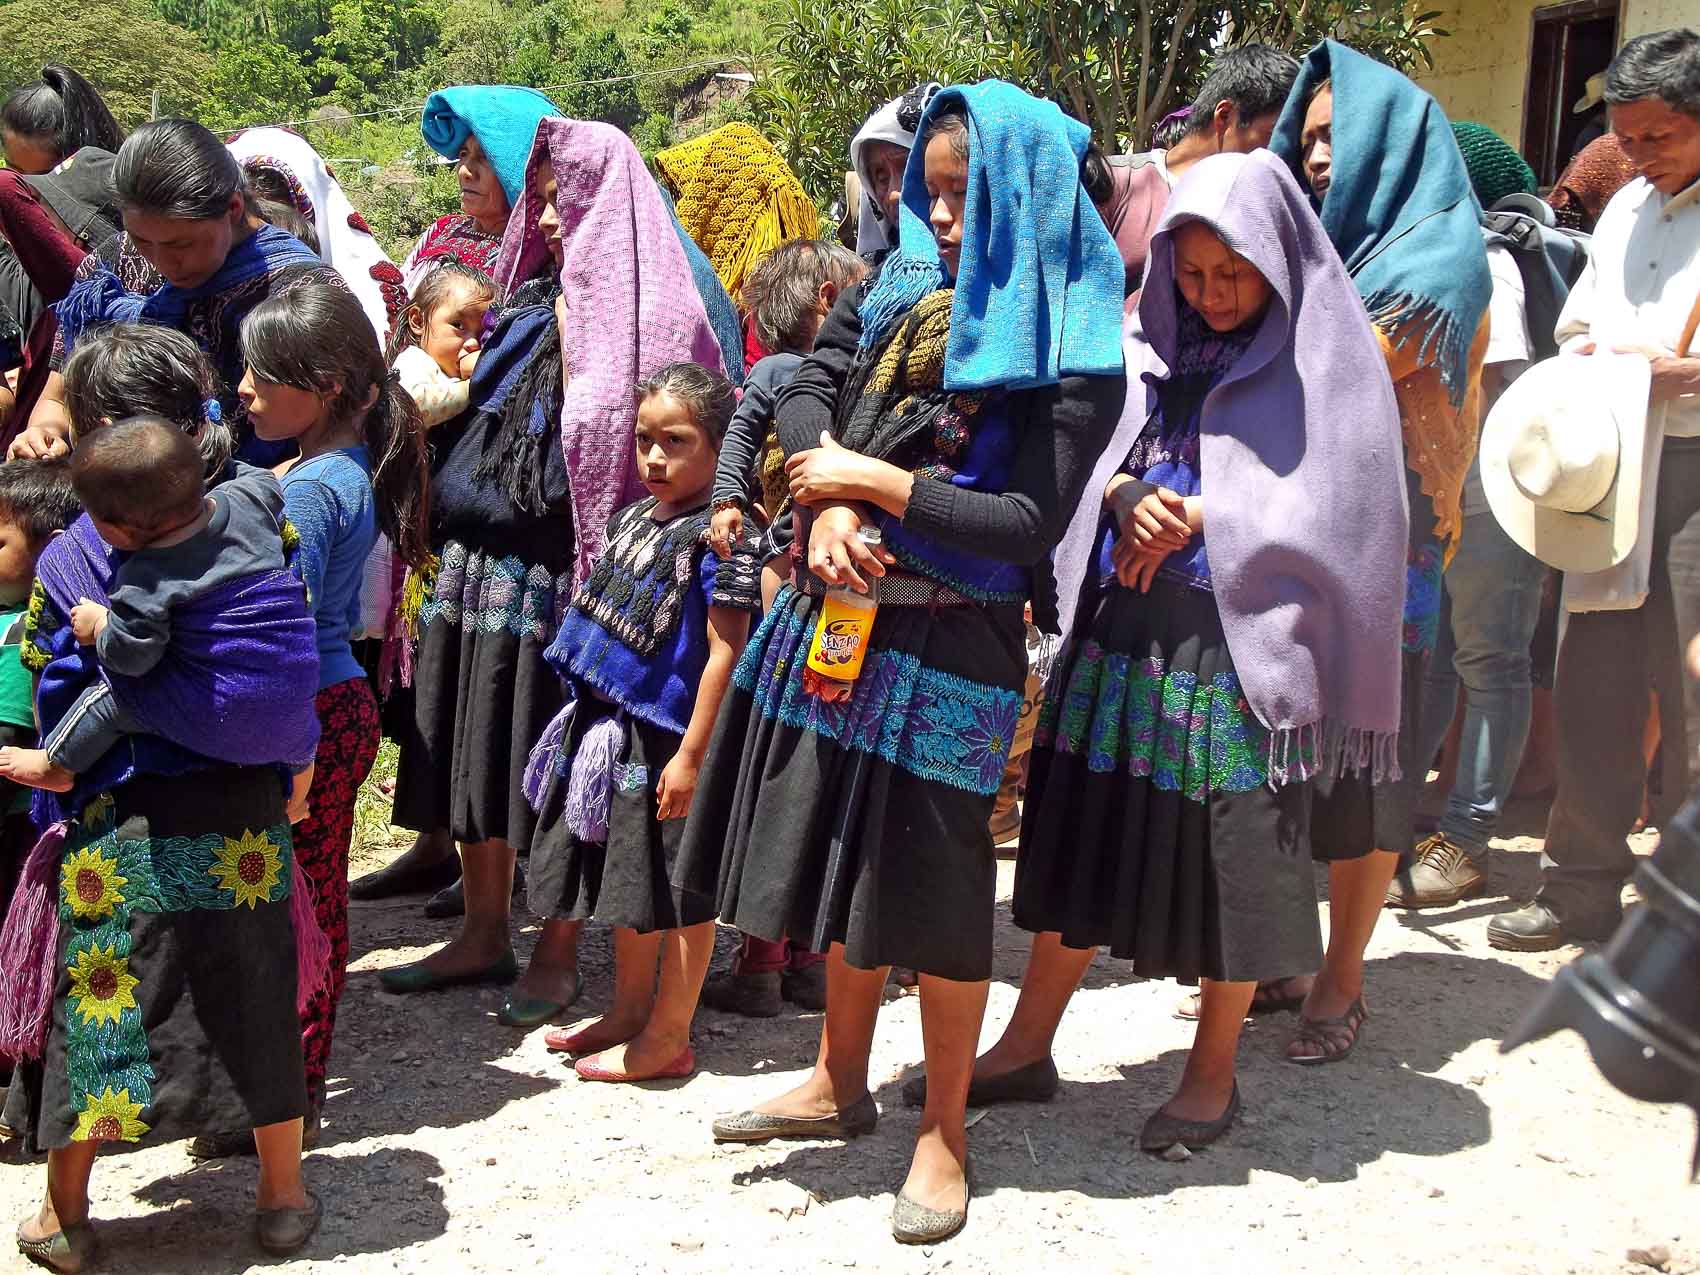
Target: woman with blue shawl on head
<point>186,212</point>
<point>486,131</point>
<point>956,405</point>
<point>1393,195</point>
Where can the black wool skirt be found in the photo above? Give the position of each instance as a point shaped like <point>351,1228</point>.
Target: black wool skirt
<point>482,696</point>
<point>174,1011</point>
<point>627,880</point>
<point>1149,826</point>
<point>863,822</point>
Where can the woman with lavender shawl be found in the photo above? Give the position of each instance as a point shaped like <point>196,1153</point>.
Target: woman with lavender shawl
<point>522,496</point>
<point>1239,624</point>
<point>161,942</point>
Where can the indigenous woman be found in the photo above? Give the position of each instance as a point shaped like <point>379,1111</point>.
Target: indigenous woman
<point>956,407</point>
<point>45,123</point>
<point>1167,811</point>
<point>486,129</point>
<point>284,166</point>
<point>185,211</point>
<point>520,502</point>
<point>738,201</point>
<point>1398,207</point>
<point>152,949</point>
<point>879,153</point>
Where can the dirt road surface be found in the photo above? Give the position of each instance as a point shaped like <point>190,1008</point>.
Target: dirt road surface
<point>454,1144</point>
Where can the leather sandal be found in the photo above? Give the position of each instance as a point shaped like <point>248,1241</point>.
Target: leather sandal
<point>72,1247</point>
<point>1317,1033</point>
<point>859,1118</point>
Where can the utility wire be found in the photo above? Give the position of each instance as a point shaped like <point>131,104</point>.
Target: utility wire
<point>545,89</point>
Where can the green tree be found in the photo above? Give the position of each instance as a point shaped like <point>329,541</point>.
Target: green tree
<point>599,77</point>
<point>256,81</point>
<point>122,46</point>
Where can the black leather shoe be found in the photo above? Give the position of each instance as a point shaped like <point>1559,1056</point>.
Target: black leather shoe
<point>1162,1131</point>
<point>747,995</point>
<point>1036,1082</point>
<point>448,902</point>
<point>1536,927</point>
<point>402,878</point>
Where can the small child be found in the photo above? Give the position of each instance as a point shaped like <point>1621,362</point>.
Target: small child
<point>436,346</point>
<point>647,649</point>
<point>37,502</point>
<point>142,482</point>
<point>790,294</point>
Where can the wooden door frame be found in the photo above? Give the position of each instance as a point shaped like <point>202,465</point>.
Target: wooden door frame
<point>1614,9</point>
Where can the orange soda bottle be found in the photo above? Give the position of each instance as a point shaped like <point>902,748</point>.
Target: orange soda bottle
<point>841,636</point>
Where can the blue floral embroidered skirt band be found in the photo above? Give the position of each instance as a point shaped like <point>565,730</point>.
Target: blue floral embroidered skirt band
<point>1149,826</point>
<point>863,822</point>
<point>625,880</point>
<point>483,694</point>
<point>174,1012</point>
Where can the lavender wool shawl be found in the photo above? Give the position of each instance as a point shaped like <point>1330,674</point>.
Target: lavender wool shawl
<point>632,307</point>
<point>1306,520</point>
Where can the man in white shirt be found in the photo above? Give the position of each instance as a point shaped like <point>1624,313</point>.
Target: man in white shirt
<point>1640,287</point>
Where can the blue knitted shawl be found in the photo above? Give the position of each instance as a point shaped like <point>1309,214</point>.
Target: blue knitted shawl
<point>1399,207</point>
<point>1039,286</point>
<point>504,118</point>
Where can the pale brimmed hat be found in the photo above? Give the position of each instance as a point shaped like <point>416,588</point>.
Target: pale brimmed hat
<point>1593,93</point>
<point>1562,455</point>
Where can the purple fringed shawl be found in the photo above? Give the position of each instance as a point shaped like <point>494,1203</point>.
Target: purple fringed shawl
<point>237,681</point>
<point>1306,520</point>
<point>632,307</point>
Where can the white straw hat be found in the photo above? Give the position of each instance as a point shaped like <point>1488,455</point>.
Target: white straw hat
<point>1561,458</point>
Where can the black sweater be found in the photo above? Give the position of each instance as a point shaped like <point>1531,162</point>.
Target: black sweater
<point>1063,429</point>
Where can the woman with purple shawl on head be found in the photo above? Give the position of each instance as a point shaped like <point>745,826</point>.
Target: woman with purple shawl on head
<point>599,294</point>
<point>1237,628</point>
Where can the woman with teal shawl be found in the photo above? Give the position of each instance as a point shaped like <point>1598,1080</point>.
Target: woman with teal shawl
<point>957,405</point>
<point>1395,199</point>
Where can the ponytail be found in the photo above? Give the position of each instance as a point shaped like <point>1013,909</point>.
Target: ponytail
<point>394,434</point>
<point>317,337</point>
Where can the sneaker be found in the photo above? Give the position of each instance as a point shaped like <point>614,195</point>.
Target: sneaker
<point>1441,875</point>
<point>749,995</point>
<point>805,987</point>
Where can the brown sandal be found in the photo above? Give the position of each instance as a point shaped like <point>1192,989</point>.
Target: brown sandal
<point>1316,1033</point>
<point>1270,997</point>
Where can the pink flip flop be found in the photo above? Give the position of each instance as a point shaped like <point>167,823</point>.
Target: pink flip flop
<point>678,1069</point>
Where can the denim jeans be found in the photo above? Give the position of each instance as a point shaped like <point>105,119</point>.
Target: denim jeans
<point>1489,611</point>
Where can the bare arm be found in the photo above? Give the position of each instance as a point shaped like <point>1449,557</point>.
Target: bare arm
<point>48,433</point>
<point>728,630</point>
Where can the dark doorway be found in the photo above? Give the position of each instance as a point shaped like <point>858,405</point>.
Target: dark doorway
<point>1570,42</point>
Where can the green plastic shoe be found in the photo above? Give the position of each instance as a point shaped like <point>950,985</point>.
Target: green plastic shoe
<point>406,980</point>
<point>534,1011</point>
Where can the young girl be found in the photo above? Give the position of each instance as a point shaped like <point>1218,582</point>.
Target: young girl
<point>1167,810</point>
<point>436,345</point>
<point>316,378</point>
<point>647,650</point>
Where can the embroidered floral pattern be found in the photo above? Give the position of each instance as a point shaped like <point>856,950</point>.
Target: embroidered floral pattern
<point>111,1117</point>
<point>1162,724</point>
<point>249,867</point>
<point>489,595</point>
<point>1422,597</point>
<point>102,986</point>
<point>936,725</point>
<point>91,885</point>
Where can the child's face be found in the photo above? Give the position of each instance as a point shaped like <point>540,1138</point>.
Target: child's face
<point>1227,290</point>
<point>17,564</point>
<point>457,319</point>
<point>278,412</point>
<point>675,456</point>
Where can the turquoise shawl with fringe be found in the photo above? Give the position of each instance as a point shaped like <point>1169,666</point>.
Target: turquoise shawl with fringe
<point>1039,285</point>
<point>1399,207</point>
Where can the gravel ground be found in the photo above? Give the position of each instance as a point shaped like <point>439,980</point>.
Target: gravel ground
<point>453,1144</point>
